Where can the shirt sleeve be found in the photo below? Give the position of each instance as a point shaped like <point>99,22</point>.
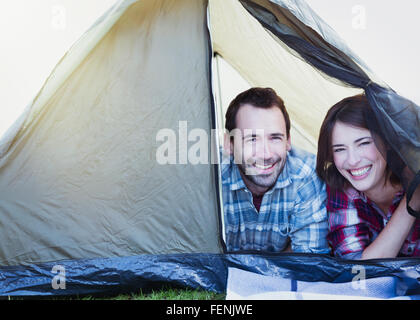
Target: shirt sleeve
<point>309,220</point>
<point>348,235</point>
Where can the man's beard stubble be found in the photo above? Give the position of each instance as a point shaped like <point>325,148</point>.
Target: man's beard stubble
<point>262,180</point>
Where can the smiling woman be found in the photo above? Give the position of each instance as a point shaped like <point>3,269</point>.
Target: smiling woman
<point>366,200</point>
<point>357,158</point>
<point>347,143</point>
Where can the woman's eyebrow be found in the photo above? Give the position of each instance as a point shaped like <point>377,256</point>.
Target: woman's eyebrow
<point>360,139</point>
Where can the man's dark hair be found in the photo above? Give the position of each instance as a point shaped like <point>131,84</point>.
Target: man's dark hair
<point>265,98</point>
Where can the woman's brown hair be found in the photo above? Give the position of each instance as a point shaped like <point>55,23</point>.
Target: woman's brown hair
<point>354,111</point>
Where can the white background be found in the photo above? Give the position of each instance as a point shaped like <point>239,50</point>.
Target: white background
<point>35,34</point>
<point>389,42</point>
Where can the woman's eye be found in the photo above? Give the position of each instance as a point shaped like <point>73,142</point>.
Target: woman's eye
<point>365,143</point>
<point>338,150</point>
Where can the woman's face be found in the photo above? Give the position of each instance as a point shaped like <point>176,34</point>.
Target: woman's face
<point>357,158</point>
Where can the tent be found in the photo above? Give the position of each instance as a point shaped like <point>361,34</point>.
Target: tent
<point>83,195</point>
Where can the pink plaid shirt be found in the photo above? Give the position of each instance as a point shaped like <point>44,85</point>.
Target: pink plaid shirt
<point>355,221</point>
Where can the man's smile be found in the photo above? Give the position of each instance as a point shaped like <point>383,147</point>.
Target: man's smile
<point>265,167</point>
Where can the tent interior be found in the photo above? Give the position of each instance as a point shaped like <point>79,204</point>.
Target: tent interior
<point>78,172</point>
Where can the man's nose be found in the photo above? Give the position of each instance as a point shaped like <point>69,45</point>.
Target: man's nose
<point>266,150</point>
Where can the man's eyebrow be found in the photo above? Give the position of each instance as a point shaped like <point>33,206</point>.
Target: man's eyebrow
<point>355,141</point>
<point>277,134</point>
<point>251,135</point>
<point>254,135</point>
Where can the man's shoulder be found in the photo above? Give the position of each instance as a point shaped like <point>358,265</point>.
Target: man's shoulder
<point>301,164</point>
<point>229,175</point>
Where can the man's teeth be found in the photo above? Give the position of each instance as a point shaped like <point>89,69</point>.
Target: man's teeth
<point>264,167</point>
<point>359,172</point>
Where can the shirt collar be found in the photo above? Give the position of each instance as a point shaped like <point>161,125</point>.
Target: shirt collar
<point>354,194</point>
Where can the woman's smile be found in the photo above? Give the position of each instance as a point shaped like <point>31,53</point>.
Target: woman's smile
<point>360,173</point>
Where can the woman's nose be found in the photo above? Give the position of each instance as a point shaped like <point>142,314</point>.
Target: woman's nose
<point>353,158</point>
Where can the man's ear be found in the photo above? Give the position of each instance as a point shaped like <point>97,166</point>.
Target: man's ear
<point>227,143</point>
<point>289,144</point>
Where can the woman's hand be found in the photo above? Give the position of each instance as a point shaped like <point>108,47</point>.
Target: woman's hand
<point>389,242</point>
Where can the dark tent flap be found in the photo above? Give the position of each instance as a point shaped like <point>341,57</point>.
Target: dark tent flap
<point>398,120</point>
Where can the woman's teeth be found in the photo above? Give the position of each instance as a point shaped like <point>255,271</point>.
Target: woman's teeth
<point>359,172</point>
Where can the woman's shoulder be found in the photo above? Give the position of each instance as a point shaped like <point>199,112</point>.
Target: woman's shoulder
<point>342,199</point>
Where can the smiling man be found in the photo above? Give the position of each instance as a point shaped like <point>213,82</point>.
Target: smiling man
<point>273,199</point>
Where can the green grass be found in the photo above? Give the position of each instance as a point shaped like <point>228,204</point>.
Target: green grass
<point>165,294</point>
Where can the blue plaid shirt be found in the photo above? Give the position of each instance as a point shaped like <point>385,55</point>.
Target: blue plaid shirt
<point>294,208</point>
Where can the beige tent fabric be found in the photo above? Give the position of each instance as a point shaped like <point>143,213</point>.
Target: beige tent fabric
<point>81,178</point>
<point>261,61</point>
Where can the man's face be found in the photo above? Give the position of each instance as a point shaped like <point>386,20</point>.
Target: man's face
<point>260,146</point>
